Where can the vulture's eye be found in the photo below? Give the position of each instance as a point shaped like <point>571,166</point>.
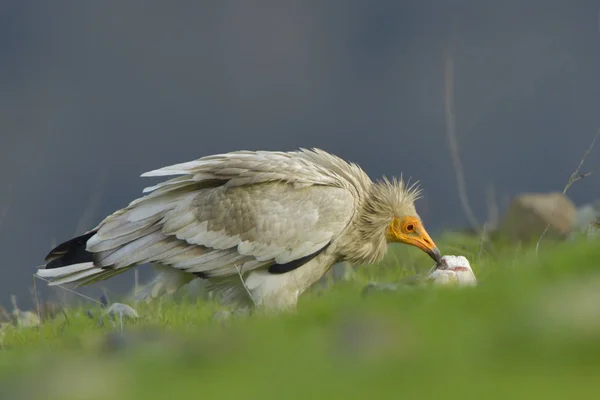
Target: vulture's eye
<point>410,227</point>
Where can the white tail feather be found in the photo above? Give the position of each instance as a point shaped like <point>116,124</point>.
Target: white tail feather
<point>76,277</point>
<point>64,271</point>
<point>69,274</point>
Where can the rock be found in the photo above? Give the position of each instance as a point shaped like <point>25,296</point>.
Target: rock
<point>121,310</point>
<point>530,213</point>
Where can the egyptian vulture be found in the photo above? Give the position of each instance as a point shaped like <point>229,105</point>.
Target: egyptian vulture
<point>259,226</point>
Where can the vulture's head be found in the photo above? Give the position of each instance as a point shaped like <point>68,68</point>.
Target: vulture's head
<point>391,213</point>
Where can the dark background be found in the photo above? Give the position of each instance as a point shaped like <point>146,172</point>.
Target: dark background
<point>92,94</point>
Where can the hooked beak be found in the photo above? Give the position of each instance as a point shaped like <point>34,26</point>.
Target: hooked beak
<point>435,254</point>
<point>417,237</point>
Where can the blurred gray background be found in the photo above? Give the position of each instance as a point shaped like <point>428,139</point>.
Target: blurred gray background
<point>92,94</point>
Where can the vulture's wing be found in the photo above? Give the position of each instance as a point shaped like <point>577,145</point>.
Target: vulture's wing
<point>305,167</point>
<point>240,210</point>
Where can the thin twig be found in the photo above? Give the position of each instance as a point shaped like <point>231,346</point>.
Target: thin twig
<point>69,290</point>
<point>576,176</point>
<point>453,141</point>
<point>492,206</point>
<point>16,311</point>
<point>239,270</point>
<point>67,319</point>
<point>482,240</point>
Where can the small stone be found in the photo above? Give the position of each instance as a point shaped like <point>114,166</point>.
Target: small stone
<point>379,287</point>
<point>122,310</point>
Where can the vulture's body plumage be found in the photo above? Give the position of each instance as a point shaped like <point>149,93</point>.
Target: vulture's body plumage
<point>260,226</point>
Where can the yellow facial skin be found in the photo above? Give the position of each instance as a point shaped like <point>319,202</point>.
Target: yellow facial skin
<point>410,230</point>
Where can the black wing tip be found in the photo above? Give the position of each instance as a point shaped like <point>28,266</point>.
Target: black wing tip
<point>72,251</point>
<point>292,265</point>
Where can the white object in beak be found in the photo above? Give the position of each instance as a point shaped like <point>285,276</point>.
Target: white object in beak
<point>452,270</point>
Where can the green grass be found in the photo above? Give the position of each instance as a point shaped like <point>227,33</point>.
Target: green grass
<point>531,329</point>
